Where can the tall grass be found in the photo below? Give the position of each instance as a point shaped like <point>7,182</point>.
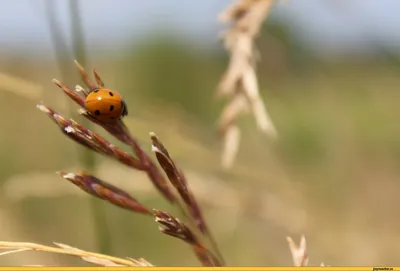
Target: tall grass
<point>174,189</point>
<point>239,82</point>
<point>64,55</point>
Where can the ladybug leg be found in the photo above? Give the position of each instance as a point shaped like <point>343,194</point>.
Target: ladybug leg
<point>90,114</point>
<point>124,108</point>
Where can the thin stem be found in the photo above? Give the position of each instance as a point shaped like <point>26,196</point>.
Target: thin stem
<point>78,46</point>
<point>65,249</point>
<point>61,51</point>
<point>87,157</point>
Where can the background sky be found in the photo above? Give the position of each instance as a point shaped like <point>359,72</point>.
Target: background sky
<point>325,25</point>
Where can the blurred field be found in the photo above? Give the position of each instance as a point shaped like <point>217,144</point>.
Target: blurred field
<point>332,175</point>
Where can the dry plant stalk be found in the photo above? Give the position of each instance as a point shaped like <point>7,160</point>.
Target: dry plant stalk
<point>299,252</point>
<point>184,198</point>
<point>118,129</point>
<point>96,258</point>
<point>239,83</point>
<point>173,227</point>
<point>178,180</point>
<point>105,191</point>
<point>21,87</point>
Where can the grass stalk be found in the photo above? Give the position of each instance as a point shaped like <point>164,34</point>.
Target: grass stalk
<point>87,157</point>
<point>140,160</point>
<point>87,256</point>
<point>63,58</point>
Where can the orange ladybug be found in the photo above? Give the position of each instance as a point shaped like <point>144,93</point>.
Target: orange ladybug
<point>105,105</point>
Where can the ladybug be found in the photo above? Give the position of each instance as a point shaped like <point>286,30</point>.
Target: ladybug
<point>105,105</point>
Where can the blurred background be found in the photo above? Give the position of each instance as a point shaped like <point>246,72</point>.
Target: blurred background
<point>329,74</point>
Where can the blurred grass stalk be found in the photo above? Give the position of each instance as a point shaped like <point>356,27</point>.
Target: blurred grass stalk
<point>239,83</point>
<point>86,157</point>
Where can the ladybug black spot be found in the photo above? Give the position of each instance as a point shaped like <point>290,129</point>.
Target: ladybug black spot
<point>96,90</point>
<point>111,107</point>
<point>97,112</point>
<point>112,118</point>
<point>111,94</point>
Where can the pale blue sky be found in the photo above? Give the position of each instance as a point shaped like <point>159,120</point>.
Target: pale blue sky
<point>324,24</point>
